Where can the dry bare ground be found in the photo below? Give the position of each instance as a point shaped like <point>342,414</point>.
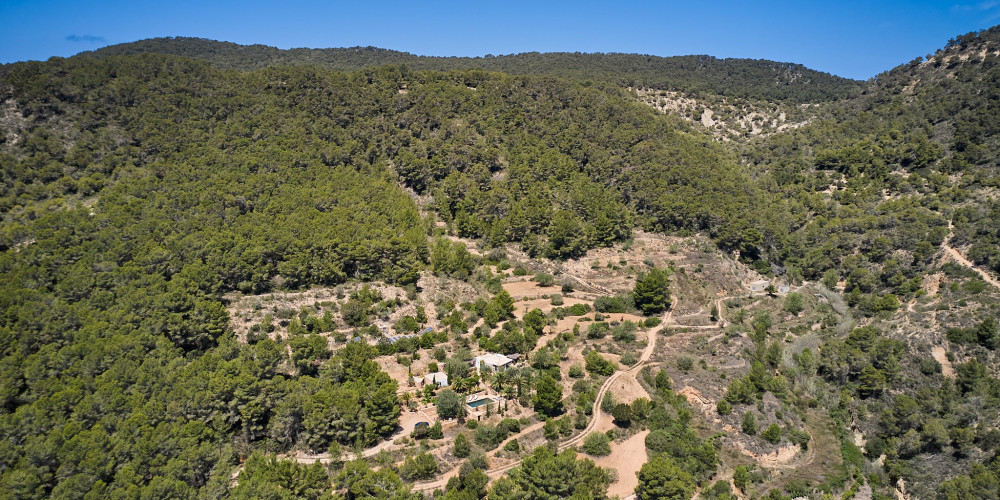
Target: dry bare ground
<point>522,289</point>
<point>731,118</point>
<point>247,310</point>
<point>627,390</point>
<point>627,457</point>
<point>545,305</point>
<point>698,401</point>
<point>957,256</point>
<point>941,357</point>
<point>592,269</point>
<point>952,253</point>
<point>780,458</point>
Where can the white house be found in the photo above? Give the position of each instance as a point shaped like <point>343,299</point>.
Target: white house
<point>439,378</point>
<point>492,362</point>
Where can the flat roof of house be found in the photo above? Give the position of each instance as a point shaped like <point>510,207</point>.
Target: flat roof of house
<point>492,358</point>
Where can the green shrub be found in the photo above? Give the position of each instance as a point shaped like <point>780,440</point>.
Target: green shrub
<point>617,304</point>
<point>629,358</point>
<point>793,303</point>
<point>608,403</point>
<point>596,363</point>
<point>489,436</point>
<point>435,432</point>
<point>652,292</point>
<point>494,285</point>
<point>420,432</point>
<point>749,424</point>
<point>741,477</point>
<point>801,438</point>
<point>625,332</point>
<point>597,444</point>
<point>723,407</point>
<point>512,446</point>
<point>510,426</point>
<point>772,434</point>
<point>663,380</point>
<point>598,330</point>
<point>622,414</point>
<point>544,279</point>
<point>462,446</point>
<point>685,364</point>
<point>423,466</point>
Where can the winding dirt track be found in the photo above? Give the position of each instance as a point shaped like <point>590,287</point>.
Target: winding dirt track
<point>593,424</point>
<point>957,256</point>
<point>495,472</point>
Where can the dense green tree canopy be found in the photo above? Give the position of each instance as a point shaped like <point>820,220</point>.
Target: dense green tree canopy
<point>662,479</point>
<point>652,291</point>
<point>139,192</point>
<point>544,475</point>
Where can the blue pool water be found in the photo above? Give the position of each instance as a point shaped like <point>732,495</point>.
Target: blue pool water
<point>479,402</point>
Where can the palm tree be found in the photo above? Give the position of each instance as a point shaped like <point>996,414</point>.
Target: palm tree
<point>499,379</point>
<point>487,379</point>
<point>520,378</point>
<point>511,388</point>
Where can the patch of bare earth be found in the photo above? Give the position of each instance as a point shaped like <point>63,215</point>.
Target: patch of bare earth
<point>626,457</point>
<point>433,288</point>
<point>545,305</point>
<point>248,310</point>
<point>566,324</point>
<point>934,284</point>
<point>779,457</point>
<point>698,401</point>
<point>401,374</point>
<point>627,390</point>
<point>11,119</point>
<point>726,119</point>
<point>519,290</point>
<point>939,355</point>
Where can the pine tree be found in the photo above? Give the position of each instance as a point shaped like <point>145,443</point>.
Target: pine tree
<point>652,292</point>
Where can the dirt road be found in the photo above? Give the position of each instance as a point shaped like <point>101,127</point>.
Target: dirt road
<point>957,256</point>
<point>593,424</point>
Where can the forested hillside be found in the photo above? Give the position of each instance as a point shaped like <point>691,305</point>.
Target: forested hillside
<point>144,186</point>
<point>139,189</point>
<point>699,73</point>
<point>878,187</point>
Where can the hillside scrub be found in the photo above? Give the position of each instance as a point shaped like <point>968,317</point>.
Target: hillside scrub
<point>143,193</point>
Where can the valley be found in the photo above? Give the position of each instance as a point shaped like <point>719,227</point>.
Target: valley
<point>237,271</point>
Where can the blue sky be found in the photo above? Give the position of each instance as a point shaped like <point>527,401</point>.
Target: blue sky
<point>856,39</point>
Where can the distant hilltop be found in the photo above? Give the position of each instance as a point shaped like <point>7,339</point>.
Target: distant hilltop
<point>747,78</point>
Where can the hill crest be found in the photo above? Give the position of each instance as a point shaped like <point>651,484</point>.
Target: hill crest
<point>747,78</point>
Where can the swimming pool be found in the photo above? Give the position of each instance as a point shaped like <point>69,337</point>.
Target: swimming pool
<point>479,402</point>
